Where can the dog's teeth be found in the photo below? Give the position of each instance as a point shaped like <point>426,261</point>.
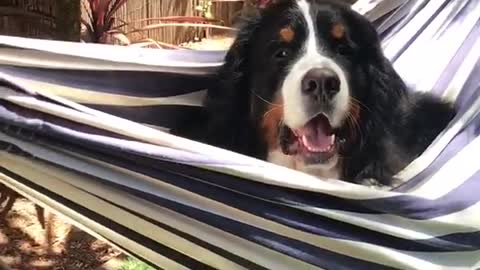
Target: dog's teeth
<point>321,150</point>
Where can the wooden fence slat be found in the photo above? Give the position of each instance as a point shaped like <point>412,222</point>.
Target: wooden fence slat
<point>29,18</point>
<point>132,11</point>
<point>136,10</point>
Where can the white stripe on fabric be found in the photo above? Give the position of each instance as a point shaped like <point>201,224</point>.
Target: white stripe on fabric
<point>374,9</point>
<point>423,45</point>
<point>92,97</point>
<point>213,235</point>
<point>463,73</point>
<point>437,51</point>
<point>452,174</point>
<point>445,47</point>
<point>358,250</point>
<point>411,229</point>
<point>398,19</point>
<point>57,180</point>
<point>256,171</point>
<point>468,218</point>
<point>477,266</point>
<point>388,224</point>
<point>451,260</point>
<point>27,58</point>
<point>90,226</point>
<point>148,185</point>
<point>397,42</point>
<point>147,59</point>
<point>432,152</point>
<point>368,252</point>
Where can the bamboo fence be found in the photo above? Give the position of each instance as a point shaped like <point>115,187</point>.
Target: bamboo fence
<point>28,18</point>
<point>139,13</point>
<point>38,18</point>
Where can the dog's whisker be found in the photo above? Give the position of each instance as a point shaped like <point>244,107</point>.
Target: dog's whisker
<point>264,100</point>
<point>353,121</point>
<point>355,101</point>
<point>356,125</point>
<point>269,111</point>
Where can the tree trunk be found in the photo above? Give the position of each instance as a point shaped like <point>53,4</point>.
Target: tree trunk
<point>68,16</point>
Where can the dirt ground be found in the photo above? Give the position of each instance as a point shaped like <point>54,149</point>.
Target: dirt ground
<point>34,239</point>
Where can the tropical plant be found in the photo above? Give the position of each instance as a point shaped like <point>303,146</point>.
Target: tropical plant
<point>103,27</point>
<point>101,19</point>
<point>263,3</point>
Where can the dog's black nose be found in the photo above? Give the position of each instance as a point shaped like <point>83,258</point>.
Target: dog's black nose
<point>321,82</point>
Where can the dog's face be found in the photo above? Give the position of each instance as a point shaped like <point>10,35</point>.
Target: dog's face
<point>305,69</point>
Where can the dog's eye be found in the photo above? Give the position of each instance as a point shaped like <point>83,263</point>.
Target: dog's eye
<point>282,54</point>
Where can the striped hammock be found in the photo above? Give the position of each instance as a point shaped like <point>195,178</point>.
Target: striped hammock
<point>84,132</point>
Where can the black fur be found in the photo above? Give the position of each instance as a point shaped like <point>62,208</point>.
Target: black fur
<point>395,125</point>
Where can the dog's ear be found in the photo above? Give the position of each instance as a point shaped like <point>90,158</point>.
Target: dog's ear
<point>228,102</point>
<point>381,74</point>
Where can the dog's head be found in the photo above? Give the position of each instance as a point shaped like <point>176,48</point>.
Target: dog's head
<point>301,75</point>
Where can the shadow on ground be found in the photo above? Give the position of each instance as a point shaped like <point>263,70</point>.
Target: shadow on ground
<point>34,239</point>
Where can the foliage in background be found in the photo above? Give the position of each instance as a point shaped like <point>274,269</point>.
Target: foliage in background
<point>134,264</point>
<point>263,3</point>
<point>101,19</point>
<point>205,9</point>
<point>101,26</point>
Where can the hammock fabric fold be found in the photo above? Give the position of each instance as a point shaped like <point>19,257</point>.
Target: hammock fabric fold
<point>84,132</point>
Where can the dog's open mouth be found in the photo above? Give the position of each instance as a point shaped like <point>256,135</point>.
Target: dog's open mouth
<point>314,142</point>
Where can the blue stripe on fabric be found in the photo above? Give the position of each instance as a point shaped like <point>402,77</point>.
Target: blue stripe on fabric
<point>297,249</point>
<point>159,248</point>
<point>289,216</point>
<point>292,247</point>
<point>403,205</point>
<point>167,116</point>
<point>217,250</point>
<point>396,27</point>
<point>460,141</point>
<point>129,83</point>
<point>471,90</point>
<point>310,222</point>
<point>455,63</point>
<point>419,31</point>
<point>13,149</point>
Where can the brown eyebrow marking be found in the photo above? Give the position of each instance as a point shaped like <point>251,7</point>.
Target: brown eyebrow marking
<point>287,34</point>
<point>338,31</point>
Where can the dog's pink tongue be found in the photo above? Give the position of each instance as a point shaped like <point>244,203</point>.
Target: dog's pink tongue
<point>316,136</point>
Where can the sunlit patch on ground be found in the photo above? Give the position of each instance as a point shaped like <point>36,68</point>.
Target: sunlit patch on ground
<point>31,238</point>
<point>214,43</point>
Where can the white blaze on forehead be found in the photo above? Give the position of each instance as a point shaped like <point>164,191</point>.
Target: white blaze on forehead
<point>295,115</point>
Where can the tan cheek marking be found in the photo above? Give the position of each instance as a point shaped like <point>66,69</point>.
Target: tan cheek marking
<point>287,34</point>
<point>338,31</point>
<point>270,122</point>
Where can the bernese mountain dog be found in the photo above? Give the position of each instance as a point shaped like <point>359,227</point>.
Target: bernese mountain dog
<point>306,85</point>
